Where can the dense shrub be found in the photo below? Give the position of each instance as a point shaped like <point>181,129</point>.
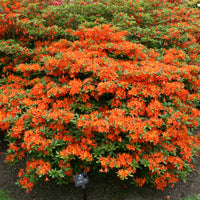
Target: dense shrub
<point>106,86</point>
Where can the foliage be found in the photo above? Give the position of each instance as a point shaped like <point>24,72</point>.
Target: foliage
<point>4,195</point>
<point>194,197</point>
<point>100,86</point>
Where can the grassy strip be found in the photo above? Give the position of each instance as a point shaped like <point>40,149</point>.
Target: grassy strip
<point>4,195</point>
<point>194,197</point>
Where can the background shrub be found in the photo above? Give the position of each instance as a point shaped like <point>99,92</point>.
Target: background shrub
<point>107,86</point>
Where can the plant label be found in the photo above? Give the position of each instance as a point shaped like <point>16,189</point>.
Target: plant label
<point>81,179</point>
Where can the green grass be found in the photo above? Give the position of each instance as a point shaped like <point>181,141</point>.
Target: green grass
<point>194,197</point>
<point>4,195</point>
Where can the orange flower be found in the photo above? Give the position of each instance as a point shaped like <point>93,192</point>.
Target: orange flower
<point>140,181</point>
<point>75,86</point>
<point>25,182</point>
<point>123,173</point>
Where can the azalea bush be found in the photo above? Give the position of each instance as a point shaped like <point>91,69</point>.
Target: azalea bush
<point>107,87</point>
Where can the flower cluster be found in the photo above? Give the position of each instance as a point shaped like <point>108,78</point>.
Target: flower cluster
<point>97,97</point>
